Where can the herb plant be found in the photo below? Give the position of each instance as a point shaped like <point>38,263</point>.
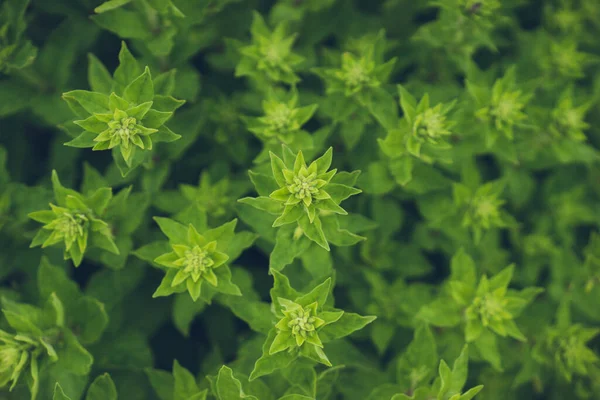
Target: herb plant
<point>299,200</point>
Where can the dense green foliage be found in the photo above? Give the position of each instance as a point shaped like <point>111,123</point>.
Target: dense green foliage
<point>299,199</point>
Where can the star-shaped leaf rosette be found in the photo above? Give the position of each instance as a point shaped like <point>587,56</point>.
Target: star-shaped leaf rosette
<point>422,135</point>
<point>361,69</point>
<point>197,262</point>
<point>484,308</point>
<point>74,221</point>
<point>306,198</point>
<point>36,341</point>
<point>125,113</point>
<point>281,122</point>
<point>305,322</point>
<point>269,58</point>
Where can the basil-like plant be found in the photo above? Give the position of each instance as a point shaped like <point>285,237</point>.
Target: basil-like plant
<point>299,200</point>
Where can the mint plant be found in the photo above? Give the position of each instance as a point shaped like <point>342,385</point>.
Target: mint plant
<point>502,107</point>
<point>568,119</point>
<point>74,221</point>
<point>304,324</point>
<point>270,57</point>
<point>21,351</point>
<point>482,207</point>
<point>197,263</point>
<point>123,113</point>
<point>307,196</point>
<point>485,308</point>
<point>563,354</point>
<point>572,356</point>
<point>299,200</point>
<point>422,133</point>
<point>359,71</point>
<point>50,338</point>
<point>282,123</point>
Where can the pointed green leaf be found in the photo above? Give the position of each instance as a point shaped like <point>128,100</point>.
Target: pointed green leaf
<point>162,382</point>
<point>418,363</point>
<point>314,231</point>
<point>141,89</point>
<point>127,70</point>
<point>346,325</point>
<point>110,5</point>
<point>102,388</point>
<point>92,102</point>
<point>185,383</point>
<point>319,294</point>
<point>98,76</point>
<point>282,288</point>
<point>267,363</point>
<point>59,394</point>
<point>176,232</point>
<point>228,387</point>
<point>73,357</point>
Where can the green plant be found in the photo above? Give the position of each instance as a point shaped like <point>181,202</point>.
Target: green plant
<point>125,113</point>
<point>299,200</point>
<point>74,220</point>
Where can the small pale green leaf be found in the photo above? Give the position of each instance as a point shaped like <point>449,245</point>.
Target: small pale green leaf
<point>102,388</point>
<point>162,382</point>
<point>267,363</point>
<point>418,363</point>
<point>176,232</point>
<point>319,295</point>
<point>346,325</point>
<point>92,102</point>
<point>141,90</point>
<point>98,76</point>
<point>59,394</point>
<point>73,357</point>
<point>230,388</point>
<point>111,5</point>
<point>185,385</point>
